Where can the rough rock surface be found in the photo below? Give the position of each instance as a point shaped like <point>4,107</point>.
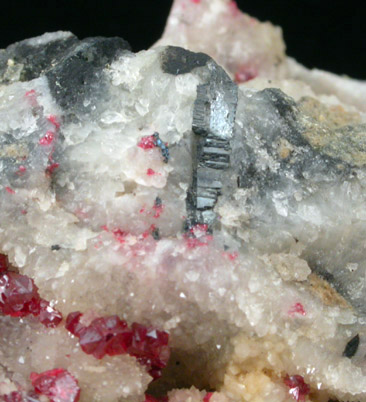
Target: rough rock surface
<point>153,187</point>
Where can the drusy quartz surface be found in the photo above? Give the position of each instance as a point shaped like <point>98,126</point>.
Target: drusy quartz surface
<point>212,191</point>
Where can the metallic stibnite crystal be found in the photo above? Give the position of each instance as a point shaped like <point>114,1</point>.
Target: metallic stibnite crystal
<point>213,123</point>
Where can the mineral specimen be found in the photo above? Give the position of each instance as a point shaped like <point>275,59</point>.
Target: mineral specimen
<point>195,211</point>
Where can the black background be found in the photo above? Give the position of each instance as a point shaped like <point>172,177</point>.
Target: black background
<point>326,34</point>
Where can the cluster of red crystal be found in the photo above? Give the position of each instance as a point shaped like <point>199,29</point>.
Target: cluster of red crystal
<point>19,297</point>
<point>111,336</point>
<point>14,396</point>
<point>197,236</point>
<point>298,387</point>
<point>147,142</point>
<point>57,384</point>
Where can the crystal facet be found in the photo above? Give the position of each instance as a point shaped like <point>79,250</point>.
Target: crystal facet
<point>111,336</point>
<point>57,384</point>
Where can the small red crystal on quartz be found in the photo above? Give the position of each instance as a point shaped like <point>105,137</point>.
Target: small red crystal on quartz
<point>197,236</point>
<point>147,142</point>
<point>21,170</point>
<point>57,384</point>
<point>245,73</point>
<point>297,308</point>
<point>47,139</point>
<point>119,235</point>
<point>111,336</point>
<point>32,92</point>
<point>54,120</point>
<point>13,397</point>
<point>31,97</point>
<point>9,190</point>
<point>200,227</point>
<point>298,387</point>
<point>150,172</point>
<point>4,263</point>
<point>51,168</point>
<point>231,256</point>
<point>158,207</point>
<point>152,141</point>
<point>207,397</point>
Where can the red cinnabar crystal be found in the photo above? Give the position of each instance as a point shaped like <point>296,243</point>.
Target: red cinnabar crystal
<point>57,384</point>
<point>47,139</point>
<point>150,347</point>
<point>197,236</point>
<point>51,168</point>
<point>207,397</point>
<point>111,336</point>
<point>150,172</point>
<point>298,387</point>
<point>105,336</point>
<point>54,120</point>
<point>49,316</point>
<point>297,309</point>
<point>119,235</point>
<point>147,142</point>
<point>73,323</point>
<point>9,190</point>
<point>13,397</point>
<point>4,263</point>
<point>245,74</point>
<point>19,297</point>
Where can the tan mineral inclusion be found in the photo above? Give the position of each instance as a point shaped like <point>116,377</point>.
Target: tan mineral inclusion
<point>211,189</point>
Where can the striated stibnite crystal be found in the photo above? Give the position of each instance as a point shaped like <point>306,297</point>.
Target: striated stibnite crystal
<point>57,384</point>
<point>111,336</point>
